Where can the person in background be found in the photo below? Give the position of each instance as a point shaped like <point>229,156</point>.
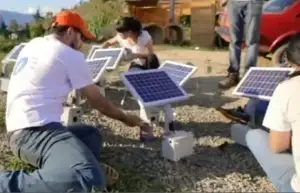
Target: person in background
<point>67,158</point>
<point>278,149</point>
<point>245,20</point>
<point>253,110</point>
<point>138,44</point>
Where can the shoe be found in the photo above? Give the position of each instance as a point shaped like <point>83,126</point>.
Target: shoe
<point>237,115</point>
<point>230,81</point>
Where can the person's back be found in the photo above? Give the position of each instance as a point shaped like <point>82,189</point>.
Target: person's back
<point>35,97</point>
<point>287,99</point>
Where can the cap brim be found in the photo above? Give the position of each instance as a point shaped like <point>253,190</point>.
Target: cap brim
<point>88,35</point>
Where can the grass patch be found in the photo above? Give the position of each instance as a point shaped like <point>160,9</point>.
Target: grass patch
<point>132,180</point>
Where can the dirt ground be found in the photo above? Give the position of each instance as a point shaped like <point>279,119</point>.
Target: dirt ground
<point>210,169</point>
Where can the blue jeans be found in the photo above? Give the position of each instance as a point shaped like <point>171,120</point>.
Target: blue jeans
<point>67,159</point>
<point>245,18</point>
<point>256,109</point>
<point>279,167</point>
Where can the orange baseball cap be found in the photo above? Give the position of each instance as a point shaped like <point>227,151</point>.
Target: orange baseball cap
<point>72,19</point>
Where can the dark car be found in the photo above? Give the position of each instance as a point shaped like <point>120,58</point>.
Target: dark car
<point>280,21</point>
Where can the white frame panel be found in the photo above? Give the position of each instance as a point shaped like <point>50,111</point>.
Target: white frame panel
<point>117,60</point>
<point>92,50</point>
<point>99,76</point>
<point>187,77</point>
<point>7,57</point>
<point>153,103</point>
<point>262,97</point>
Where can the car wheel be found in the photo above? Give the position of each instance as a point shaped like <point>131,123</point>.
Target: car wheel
<point>279,57</point>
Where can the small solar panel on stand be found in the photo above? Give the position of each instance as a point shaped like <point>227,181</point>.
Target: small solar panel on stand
<point>260,82</point>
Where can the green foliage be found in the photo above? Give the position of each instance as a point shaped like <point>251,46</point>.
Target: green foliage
<point>37,15</point>
<point>2,119</point>
<point>101,13</point>
<point>36,29</point>
<point>7,45</point>
<point>14,26</point>
<point>3,30</point>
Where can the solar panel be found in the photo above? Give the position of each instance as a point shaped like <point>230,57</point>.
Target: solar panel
<point>115,54</point>
<point>97,67</point>
<point>12,56</point>
<point>260,82</point>
<point>153,87</point>
<point>179,72</point>
<point>92,50</point>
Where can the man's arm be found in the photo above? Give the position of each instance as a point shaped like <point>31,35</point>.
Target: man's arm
<point>280,141</point>
<point>107,108</point>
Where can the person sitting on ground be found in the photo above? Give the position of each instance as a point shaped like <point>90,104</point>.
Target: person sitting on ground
<point>138,44</point>
<point>273,149</point>
<point>67,158</point>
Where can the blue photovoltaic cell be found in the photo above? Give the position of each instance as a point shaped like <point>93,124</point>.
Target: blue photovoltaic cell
<point>261,82</point>
<point>114,54</point>
<point>16,52</point>
<point>96,66</point>
<point>176,72</point>
<point>154,86</point>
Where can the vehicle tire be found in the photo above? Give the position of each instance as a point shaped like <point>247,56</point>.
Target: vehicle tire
<point>279,56</point>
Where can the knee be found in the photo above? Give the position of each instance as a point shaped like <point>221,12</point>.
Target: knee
<point>256,138</point>
<point>238,133</point>
<point>92,131</point>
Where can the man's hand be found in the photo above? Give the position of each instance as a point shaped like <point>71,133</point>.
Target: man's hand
<point>133,120</point>
<point>224,3</point>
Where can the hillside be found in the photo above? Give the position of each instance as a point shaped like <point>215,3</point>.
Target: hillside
<point>21,18</point>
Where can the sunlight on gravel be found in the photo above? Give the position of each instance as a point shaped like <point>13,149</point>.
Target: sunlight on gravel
<point>210,169</point>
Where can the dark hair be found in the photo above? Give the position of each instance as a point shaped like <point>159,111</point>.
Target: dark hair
<point>126,24</point>
<point>61,30</point>
<point>293,50</point>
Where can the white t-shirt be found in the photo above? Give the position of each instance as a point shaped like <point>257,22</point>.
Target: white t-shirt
<point>283,114</point>
<point>44,74</point>
<point>139,47</point>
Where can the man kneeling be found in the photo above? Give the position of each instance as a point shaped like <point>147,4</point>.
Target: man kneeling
<point>67,158</point>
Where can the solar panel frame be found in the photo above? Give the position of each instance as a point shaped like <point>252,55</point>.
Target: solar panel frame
<point>92,50</point>
<point>183,81</point>
<point>162,102</point>
<point>118,59</point>
<point>261,97</point>
<point>12,52</point>
<point>100,73</point>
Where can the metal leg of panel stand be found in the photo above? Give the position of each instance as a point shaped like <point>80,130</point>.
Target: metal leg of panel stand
<point>150,115</point>
<point>169,120</point>
<point>72,111</point>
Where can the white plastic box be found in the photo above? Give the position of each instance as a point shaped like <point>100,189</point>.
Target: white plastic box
<point>178,145</point>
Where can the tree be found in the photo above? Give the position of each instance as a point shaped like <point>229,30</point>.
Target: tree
<point>37,16</point>
<point>27,30</point>
<point>36,29</point>
<point>3,26</point>
<point>14,26</point>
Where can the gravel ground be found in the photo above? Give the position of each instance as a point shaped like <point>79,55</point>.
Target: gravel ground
<point>210,169</point>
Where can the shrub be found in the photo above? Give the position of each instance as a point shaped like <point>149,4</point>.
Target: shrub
<point>7,45</point>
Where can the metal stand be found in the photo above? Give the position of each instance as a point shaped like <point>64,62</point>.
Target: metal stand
<point>72,110</point>
<point>4,76</point>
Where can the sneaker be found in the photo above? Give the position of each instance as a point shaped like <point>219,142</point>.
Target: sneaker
<point>237,115</point>
<point>230,81</point>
